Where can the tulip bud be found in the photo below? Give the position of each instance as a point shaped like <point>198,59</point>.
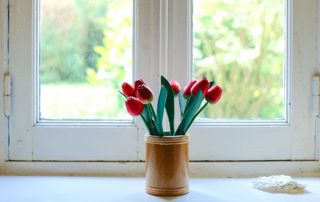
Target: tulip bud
<point>127,89</point>
<point>175,86</point>
<point>202,84</point>
<point>137,83</point>
<point>144,93</point>
<point>214,94</point>
<point>134,106</point>
<point>187,89</point>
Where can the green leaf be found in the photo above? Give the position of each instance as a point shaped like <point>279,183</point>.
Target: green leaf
<point>212,83</point>
<point>182,104</point>
<point>151,112</point>
<point>160,109</point>
<point>167,133</point>
<point>194,104</point>
<point>188,104</point>
<point>152,118</point>
<point>195,116</point>
<point>169,103</point>
<point>146,120</point>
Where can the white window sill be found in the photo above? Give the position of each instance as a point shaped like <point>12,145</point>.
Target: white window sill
<point>136,169</point>
<point>118,189</point>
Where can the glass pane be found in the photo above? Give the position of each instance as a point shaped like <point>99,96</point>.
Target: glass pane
<point>85,54</point>
<point>241,45</point>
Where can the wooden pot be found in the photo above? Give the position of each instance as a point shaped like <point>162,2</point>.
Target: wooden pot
<point>167,165</point>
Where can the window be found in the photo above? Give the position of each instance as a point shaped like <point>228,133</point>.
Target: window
<point>85,52</point>
<point>272,121</point>
<point>242,45</point>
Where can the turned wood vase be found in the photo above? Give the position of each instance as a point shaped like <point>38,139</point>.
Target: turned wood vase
<point>167,165</point>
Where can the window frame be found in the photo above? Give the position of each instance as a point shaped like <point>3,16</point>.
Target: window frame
<point>290,140</point>
<point>164,26</point>
<point>32,140</point>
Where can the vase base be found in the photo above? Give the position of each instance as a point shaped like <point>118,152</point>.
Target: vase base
<point>167,191</point>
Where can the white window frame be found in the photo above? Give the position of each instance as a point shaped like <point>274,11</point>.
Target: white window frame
<point>31,140</point>
<point>294,139</point>
<point>165,27</point>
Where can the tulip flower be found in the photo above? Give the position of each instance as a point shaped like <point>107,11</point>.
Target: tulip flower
<point>187,89</point>
<point>134,106</point>
<point>175,86</point>
<point>145,94</point>
<point>202,85</point>
<point>139,97</point>
<point>214,94</point>
<point>127,89</point>
<point>137,83</point>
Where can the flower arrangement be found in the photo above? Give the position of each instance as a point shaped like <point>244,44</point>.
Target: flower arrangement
<point>139,97</point>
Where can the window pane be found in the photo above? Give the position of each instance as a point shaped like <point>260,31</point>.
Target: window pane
<point>240,45</point>
<point>85,53</point>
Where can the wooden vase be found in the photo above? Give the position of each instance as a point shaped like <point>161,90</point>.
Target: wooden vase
<point>167,165</point>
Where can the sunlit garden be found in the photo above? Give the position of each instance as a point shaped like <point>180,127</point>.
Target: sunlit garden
<point>86,53</point>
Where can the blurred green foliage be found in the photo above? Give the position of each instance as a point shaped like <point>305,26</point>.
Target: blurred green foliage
<point>69,32</point>
<point>239,44</point>
<point>87,43</point>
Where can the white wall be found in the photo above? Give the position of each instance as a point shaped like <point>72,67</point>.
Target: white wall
<point>3,120</point>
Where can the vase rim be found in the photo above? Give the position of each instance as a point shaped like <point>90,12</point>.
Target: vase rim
<point>167,140</point>
<point>166,136</point>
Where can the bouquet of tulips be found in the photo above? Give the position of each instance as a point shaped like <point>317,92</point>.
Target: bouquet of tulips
<point>139,97</point>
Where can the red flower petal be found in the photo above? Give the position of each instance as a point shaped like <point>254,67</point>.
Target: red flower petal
<point>202,85</point>
<point>127,89</point>
<point>134,106</point>
<point>187,89</point>
<point>175,86</point>
<point>137,83</point>
<point>214,94</point>
<point>145,94</point>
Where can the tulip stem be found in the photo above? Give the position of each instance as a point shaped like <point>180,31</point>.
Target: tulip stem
<point>187,105</point>
<point>152,118</point>
<point>195,116</point>
<point>152,111</point>
<point>122,94</point>
<point>145,123</point>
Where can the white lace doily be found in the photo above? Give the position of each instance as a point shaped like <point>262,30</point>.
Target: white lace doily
<point>278,183</point>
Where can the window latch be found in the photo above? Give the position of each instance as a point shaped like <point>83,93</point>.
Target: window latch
<point>6,94</point>
<point>316,95</point>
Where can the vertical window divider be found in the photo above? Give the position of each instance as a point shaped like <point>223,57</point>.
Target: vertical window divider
<point>148,63</point>
<point>317,117</point>
<point>164,37</point>
<point>36,61</point>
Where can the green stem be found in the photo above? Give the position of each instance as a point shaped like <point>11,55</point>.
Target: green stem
<point>195,116</point>
<point>151,116</point>
<point>146,123</point>
<point>187,105</point>
<point>152,111</point>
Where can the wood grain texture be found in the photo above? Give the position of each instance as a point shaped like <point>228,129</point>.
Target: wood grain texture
<point>167,165</point>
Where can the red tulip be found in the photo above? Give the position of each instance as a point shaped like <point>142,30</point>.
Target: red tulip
<point>187,89</point>
<point>134,106</point>
<point>202,85</point>
<point>127,89</point>
<point>137,83</point>
<point>175,86</point>
<point>214,94</point>
<point>144,93</point>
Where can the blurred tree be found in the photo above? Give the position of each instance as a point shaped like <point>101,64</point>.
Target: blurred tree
<point>115,55</point>
<point>88,42</point>
<point>69,32</point>
<point>240,44</point>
